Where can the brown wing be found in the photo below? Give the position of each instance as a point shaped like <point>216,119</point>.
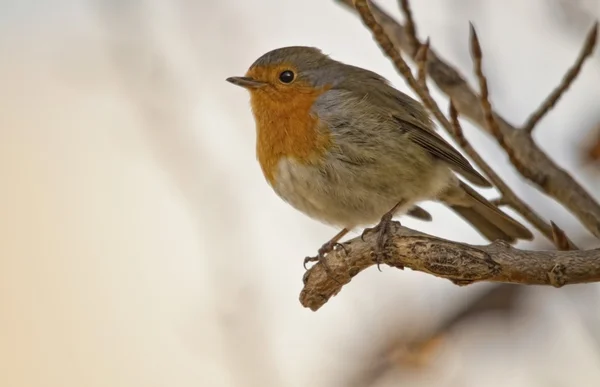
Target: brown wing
<point>439,148</point>
<point>367,85</point>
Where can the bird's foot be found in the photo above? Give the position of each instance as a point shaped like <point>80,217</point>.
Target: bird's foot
<point>327,248</point>
<point>382,229</point>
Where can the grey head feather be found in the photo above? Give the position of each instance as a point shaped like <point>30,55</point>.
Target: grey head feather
<point>295,54</point>
<point>315,67</point>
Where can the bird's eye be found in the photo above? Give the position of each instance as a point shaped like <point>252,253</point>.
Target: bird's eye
<point>286,76</point>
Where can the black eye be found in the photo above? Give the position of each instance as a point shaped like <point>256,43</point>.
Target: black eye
<point>286,76</point>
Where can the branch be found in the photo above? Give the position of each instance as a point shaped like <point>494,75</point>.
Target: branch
<point>411,29</point>
<point>550,231</point>
<point>421,59</point>
<point>509,197</point>
<point>593,152</point>
<point>390,50</point>
<point>486,106</point>
<point>552,99</point>
<point>531,162</point>
<point>461,263</point>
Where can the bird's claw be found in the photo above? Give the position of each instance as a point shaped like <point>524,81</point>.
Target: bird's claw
<point>383,230</point>
<point>310,259</point>
<point>322,252</point>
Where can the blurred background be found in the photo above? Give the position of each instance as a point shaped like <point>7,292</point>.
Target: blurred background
<point>141,246</point>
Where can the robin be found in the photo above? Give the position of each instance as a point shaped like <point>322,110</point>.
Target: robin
<point>341,145</point>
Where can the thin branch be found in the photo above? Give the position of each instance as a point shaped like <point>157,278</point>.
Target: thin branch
<point>508,195</point>
<point>390,50</point>
<point>562,243</point>
<point>593,153</point>
<point>529,160</point>
<point>411,28</point>
<point>560,238</point>
<point>572,73</point>
<point>499,202</point>
<point>484,98</point>
<point>461,263</point>
<point>421,59</point>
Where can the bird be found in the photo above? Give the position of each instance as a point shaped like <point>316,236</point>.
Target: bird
<point>343,146</point>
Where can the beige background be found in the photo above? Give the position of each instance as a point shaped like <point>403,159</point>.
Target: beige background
<point>140,245</point>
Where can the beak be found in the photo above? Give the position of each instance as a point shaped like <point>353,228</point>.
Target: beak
<point>246,82</point>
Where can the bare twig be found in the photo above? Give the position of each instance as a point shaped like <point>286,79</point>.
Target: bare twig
<point>388,48</point>
<point>594,150</point>
<point>499,202</point>
<point>484,98</point>
<point>560,238</point>
<point>421,59</point>
<point>531,162</point>
<point>552,99</point>
<point>508,195</point>
<point>461,263</point>
<point>411,28</point>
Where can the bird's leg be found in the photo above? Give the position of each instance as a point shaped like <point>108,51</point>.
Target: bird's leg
<point>327,248</point>
<point>383,230</point>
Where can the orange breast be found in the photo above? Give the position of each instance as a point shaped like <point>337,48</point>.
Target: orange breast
<point>285,128</point>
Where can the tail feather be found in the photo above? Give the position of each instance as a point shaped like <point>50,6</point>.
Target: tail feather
<point>488,219</point>
<point>419,213</point>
